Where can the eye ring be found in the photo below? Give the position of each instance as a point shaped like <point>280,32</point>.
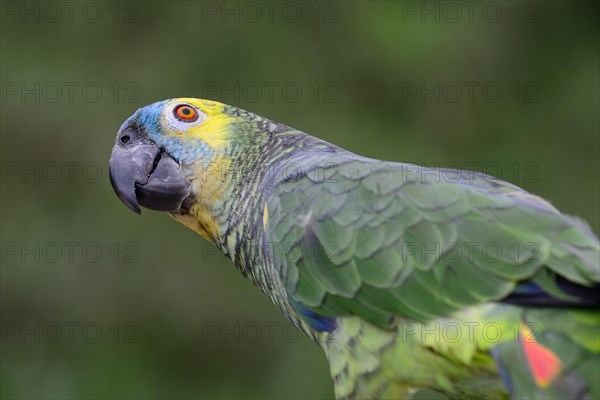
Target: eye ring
<point>185,113</point>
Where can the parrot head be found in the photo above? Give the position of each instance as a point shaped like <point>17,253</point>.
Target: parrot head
<point>163,152</point>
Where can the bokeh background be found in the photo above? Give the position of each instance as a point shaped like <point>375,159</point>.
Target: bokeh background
<point>97,302</point>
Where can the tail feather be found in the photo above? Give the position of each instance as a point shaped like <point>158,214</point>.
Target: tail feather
<point>544,369</point>
<point>543,364</point>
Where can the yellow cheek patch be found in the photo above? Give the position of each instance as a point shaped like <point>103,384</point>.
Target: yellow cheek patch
<point>213,130</point>
<point>210,179</point>
<point>199,220</point>
<point>209,184</point>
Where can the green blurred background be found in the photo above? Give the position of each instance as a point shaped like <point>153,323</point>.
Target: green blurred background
<point>176,320</point>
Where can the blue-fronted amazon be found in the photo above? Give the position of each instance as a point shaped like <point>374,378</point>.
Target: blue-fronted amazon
<point>414,281</point>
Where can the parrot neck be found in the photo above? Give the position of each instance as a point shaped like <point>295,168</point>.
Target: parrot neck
<point>230,206</point>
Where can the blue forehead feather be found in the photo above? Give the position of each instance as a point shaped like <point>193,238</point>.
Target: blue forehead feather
<point>149,116</point>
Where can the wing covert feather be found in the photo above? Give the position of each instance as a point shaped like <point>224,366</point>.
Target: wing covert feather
<point>377,239</point>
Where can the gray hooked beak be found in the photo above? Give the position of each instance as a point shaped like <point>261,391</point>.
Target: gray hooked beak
<point>142,174</point>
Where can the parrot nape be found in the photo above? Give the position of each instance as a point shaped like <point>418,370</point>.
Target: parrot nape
<point>414,281</point>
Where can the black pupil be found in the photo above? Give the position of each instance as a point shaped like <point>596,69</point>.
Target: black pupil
<point>186,111</point>
<point>125,139</point>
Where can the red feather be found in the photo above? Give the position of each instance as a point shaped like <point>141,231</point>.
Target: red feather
<point>543,363</point>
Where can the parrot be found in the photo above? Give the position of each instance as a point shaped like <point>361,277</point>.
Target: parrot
<point>416,282</point>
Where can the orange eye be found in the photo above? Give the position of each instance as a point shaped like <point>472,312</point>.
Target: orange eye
<point>185,113</point>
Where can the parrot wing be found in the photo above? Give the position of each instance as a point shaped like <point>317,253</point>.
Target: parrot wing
<point>354,236</point>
